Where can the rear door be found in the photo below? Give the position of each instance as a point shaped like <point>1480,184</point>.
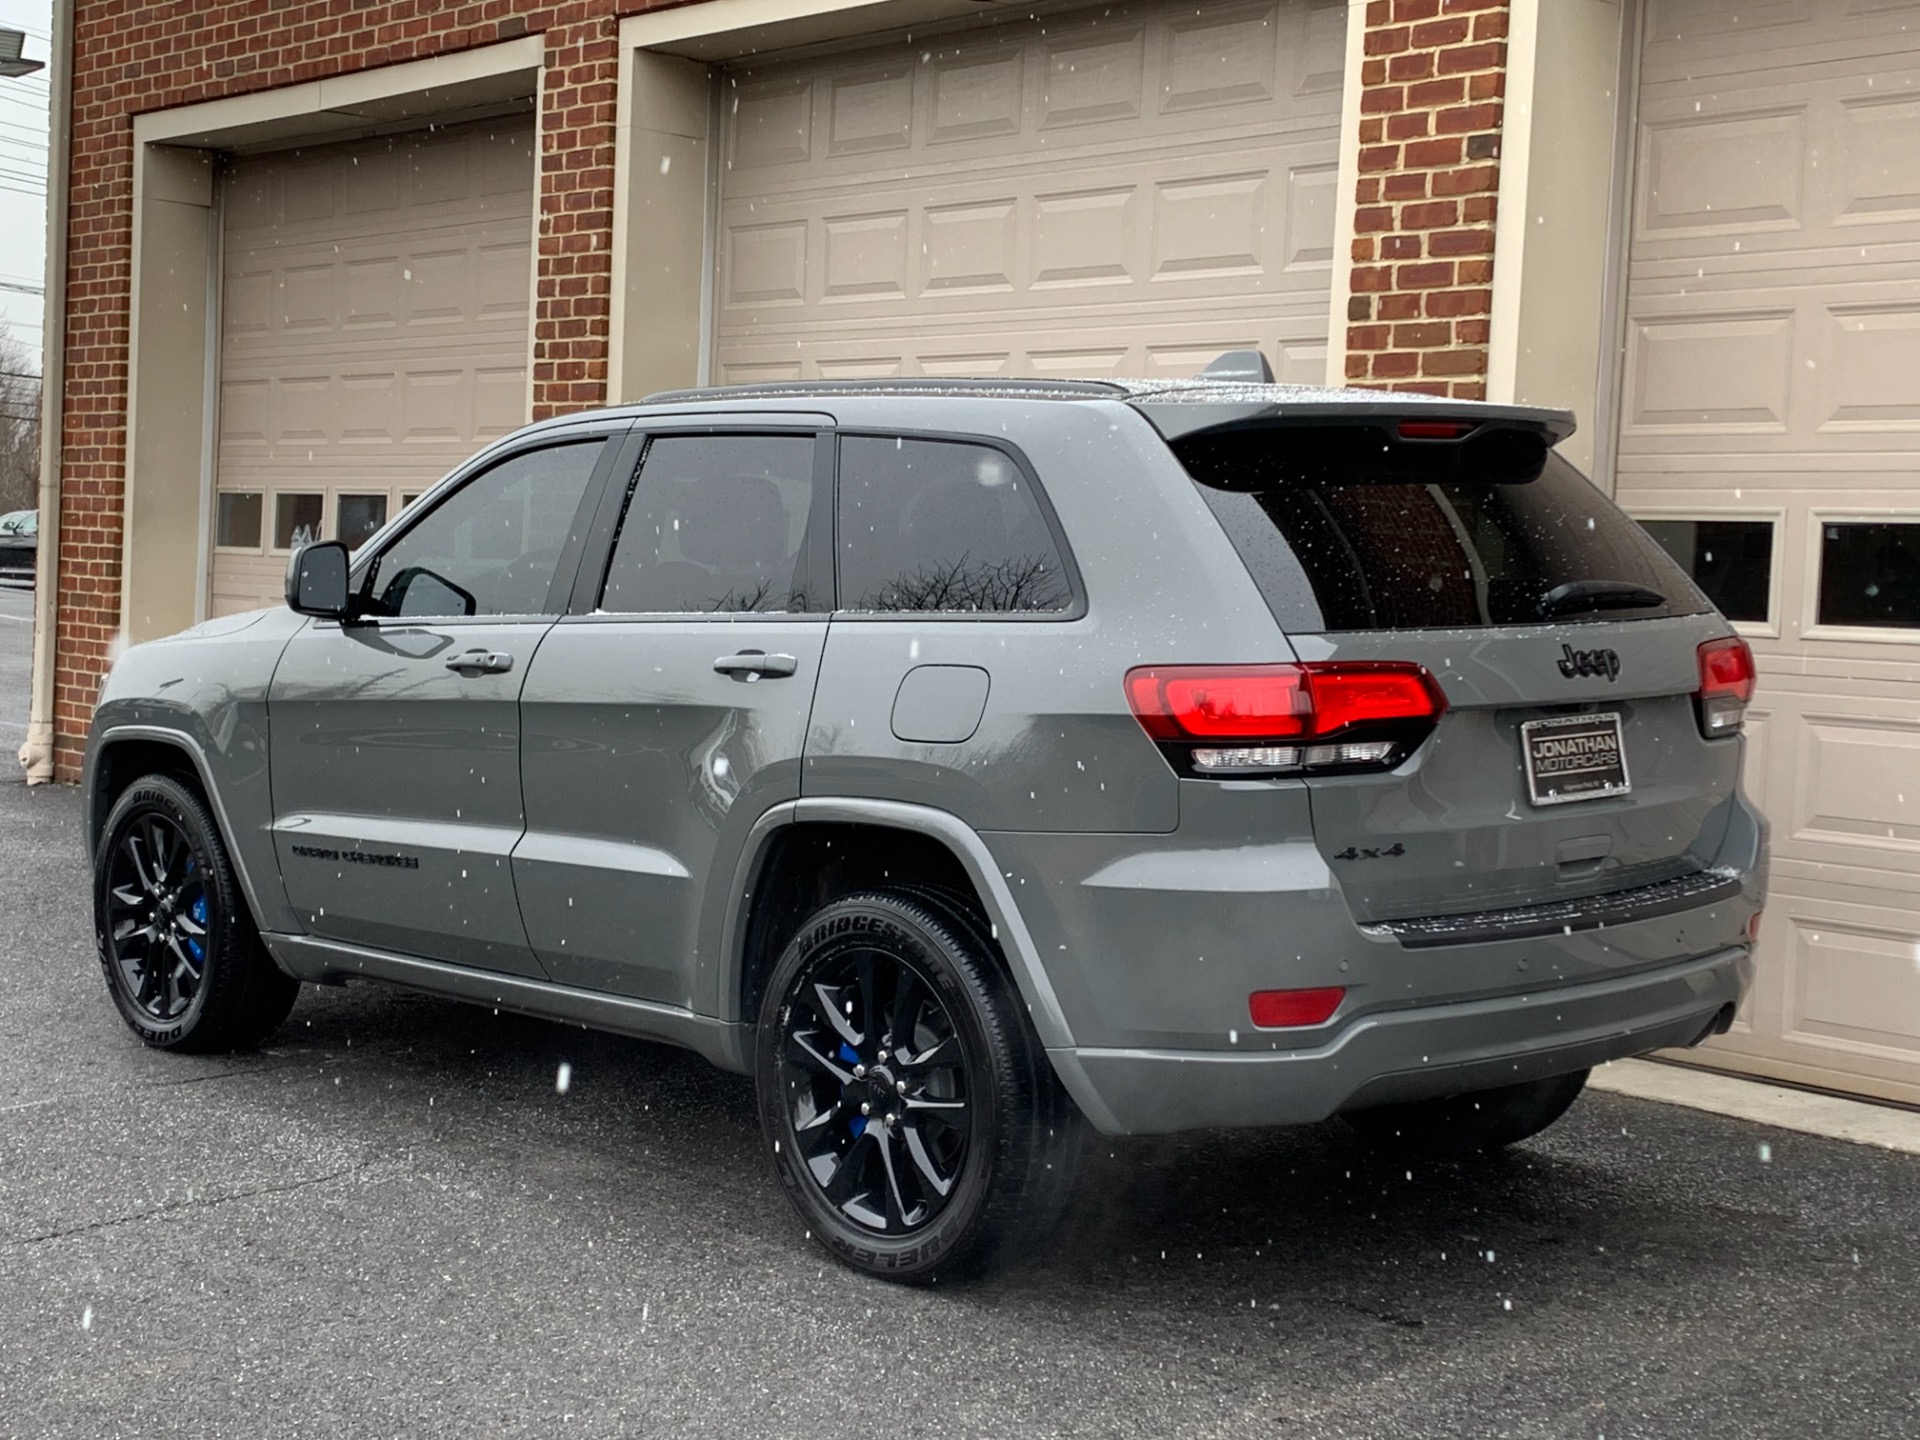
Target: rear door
<point>1570,761</point>
<point>666,715</point>
<point>395,739</point>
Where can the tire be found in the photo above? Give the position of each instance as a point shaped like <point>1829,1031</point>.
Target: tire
<point>182,958</point>
<point>1474,1123</point>
<point>968,1144</point>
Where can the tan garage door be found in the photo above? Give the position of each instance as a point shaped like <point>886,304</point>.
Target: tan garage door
<point>1772,393</point>
<point>373,333</point>
<point>1126,190</point>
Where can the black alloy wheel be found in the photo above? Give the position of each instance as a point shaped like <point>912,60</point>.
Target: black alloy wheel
<point>182,959</point>
<point>912,1118</point>
<point>157,917</point>
<point>876,1089</point>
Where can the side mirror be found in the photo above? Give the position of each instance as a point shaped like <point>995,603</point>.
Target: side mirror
<point>317,581</point>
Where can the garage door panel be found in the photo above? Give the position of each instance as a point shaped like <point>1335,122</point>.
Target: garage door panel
<point>1177,235</point>
<point>374,325</point>
<point>1773,369</point>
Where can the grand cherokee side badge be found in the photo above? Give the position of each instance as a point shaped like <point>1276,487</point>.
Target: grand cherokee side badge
<point>1589,662</point>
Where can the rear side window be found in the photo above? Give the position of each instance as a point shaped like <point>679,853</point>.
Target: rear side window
<point>1396,554</point>
<point>943,526</point>
<point>717,525</point>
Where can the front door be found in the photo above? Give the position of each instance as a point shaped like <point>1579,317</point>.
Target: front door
<point>660,724</point>
<point>395,756</point>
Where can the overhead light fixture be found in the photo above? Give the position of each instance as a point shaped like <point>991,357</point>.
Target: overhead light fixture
<point>11,65</point>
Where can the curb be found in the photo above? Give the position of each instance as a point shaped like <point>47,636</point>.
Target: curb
<point>1856,1121</point>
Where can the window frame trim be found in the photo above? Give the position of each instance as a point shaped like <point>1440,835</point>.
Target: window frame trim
<point>1077,608</point>
<point>1776,516</point>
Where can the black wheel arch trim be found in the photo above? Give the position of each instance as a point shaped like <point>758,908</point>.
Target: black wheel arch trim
<point>1016,941</point>
<point>102,742</point>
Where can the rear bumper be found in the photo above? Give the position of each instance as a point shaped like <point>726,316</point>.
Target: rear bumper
<point>1412,1054</point>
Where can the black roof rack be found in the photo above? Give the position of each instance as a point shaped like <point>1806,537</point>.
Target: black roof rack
<point>990,387</point>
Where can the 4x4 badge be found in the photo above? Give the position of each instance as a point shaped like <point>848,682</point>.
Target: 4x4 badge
<point>1589,662</point>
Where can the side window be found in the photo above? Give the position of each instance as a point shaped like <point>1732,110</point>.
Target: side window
<point>493,546</point>
<point>717,524</point>
<point>942,525</point>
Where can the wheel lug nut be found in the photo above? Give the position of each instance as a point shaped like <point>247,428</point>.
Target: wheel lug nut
<point>899,1087</point>
<point>892,1120</point>
<point>859,1072</point>
<point>866,1109</point>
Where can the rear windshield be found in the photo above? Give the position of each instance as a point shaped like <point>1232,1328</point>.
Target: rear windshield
<point>1394,554</point>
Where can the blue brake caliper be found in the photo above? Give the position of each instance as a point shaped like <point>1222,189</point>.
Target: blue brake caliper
<point>849,1056</point>
<point>198,910</point>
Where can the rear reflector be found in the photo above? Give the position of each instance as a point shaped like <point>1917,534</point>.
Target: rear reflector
<point>1287,1009</point>
<point>1727,677</point>
<point>1227,719</point>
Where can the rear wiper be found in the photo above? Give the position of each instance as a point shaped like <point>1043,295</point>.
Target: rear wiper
<point>1579,596</point>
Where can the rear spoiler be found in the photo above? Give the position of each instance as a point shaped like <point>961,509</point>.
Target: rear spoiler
<point>1251,443</point>
<point>1179,413</point>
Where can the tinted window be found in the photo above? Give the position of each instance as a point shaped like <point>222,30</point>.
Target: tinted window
<point>491,547</point>
<point>1730,560</point>
<point>943,526</point>
<point>1870,574</point>
<point>717,524</point>
<point>1401,555</point>
<point>238,524</point>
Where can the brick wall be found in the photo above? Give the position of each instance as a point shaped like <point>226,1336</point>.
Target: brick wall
<point>132,57</point>
<point>1433,78</point>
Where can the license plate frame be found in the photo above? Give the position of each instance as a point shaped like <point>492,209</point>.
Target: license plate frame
<point>1566,776</point>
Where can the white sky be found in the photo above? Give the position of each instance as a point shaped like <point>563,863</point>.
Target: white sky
<point>23,174</point>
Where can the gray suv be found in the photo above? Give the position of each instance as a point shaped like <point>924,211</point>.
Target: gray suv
<point>972,764</point>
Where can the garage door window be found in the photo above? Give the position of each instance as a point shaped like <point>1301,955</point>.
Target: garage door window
<point>493,546</point>
<point>296,519</point>
<point>717,525</point>
<point>1730,560</point>
<point>945,527</point>
<point>356,517</point>
<point>1870,573</point>
<point>237,524</point>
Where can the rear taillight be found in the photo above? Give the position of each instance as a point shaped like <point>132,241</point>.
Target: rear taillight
<point>1285,719</point>
<point>1726,685</point>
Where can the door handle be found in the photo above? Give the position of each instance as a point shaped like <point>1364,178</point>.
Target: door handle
<point>482,662</point>
<point>753,664</point>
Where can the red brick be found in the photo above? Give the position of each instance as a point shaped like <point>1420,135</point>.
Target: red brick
<point>1467,181</point>
<point>1461,242</point>
<point>1431,154</point>
<point>1463,58</point>
<point>1409,125</point>
<point>1430,215</point>
<point>1404,10</point>
<point>1429,275</point>
<point>1450,90</point>
<point>1395,364</point>
<point>1415,65</point>
<point>1369,337</point>
<point>1399,307</point>
<point>1453,362</point>
<point>1400,247</point>
<point>1466,119</point>
<point>1425,335</point>
<point>1459,302</point>
<point>1438,33</point>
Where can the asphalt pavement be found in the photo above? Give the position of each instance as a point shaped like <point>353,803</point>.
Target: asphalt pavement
<point>390,1221</point>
